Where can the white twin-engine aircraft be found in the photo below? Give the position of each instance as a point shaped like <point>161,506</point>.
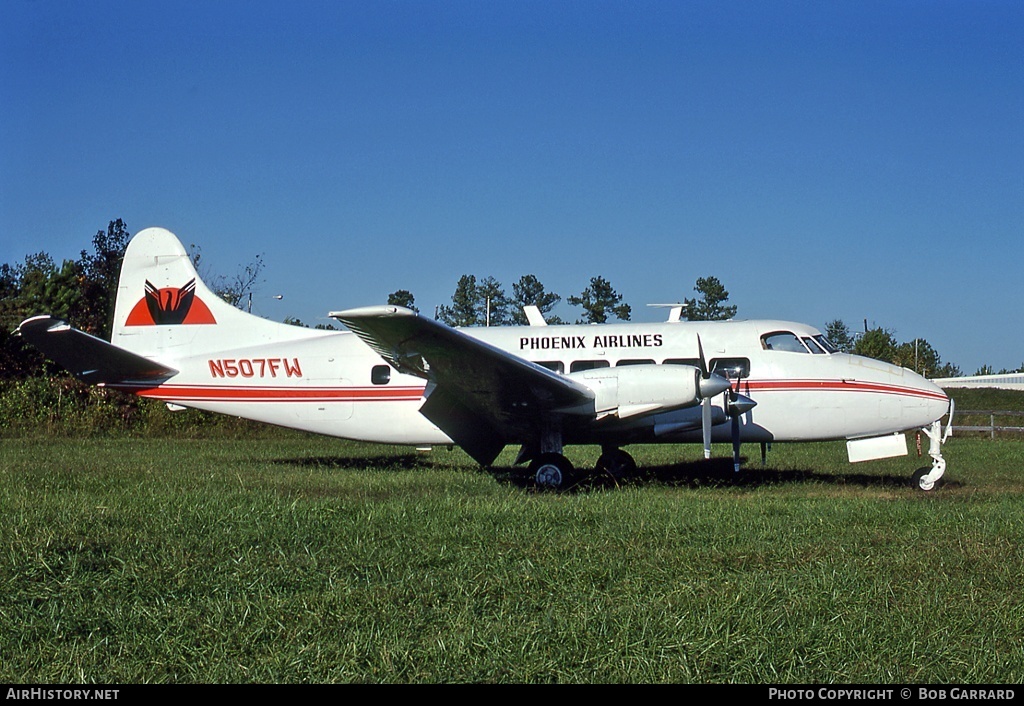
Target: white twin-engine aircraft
<point>401,378</point>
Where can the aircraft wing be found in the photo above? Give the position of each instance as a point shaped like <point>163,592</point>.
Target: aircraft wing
<point>479,395</point>
<point>91,359</point>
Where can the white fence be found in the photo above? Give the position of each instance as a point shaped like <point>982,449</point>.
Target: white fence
<point>992,427</point>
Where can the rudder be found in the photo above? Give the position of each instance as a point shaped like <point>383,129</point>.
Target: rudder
<point>163,307</point>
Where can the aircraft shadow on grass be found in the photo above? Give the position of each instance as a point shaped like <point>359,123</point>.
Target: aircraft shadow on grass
<point>401,462</point>
<point>715,472</point>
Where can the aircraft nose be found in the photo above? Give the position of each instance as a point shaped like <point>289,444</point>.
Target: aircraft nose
<point>925,401</point>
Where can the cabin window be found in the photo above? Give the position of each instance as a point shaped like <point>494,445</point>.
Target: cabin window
<point>380,374</point>
<point>782,341</point>
<point>694,362</point>
<point>731,368</point>
<point>634,361</point>
<point>555,365</point>
<point>578,365</point>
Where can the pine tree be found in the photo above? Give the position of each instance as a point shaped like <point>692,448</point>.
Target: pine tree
<point>711,304</point>
<point>600,301</point>
<point>528,291</point>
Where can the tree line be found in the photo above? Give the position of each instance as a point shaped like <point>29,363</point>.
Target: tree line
<point>82,291</point>
<point>917,355</point>
<point>484,302</point>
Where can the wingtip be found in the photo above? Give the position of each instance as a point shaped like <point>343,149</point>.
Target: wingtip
<point>365,312</point>
<point>40,323</point>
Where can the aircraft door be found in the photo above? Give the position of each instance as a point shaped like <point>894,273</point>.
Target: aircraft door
<point>328,395</point>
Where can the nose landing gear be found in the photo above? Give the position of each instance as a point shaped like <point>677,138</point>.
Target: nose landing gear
<point>926,478</point>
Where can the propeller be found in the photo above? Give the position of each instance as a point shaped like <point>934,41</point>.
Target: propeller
<point>738,406</point>
<point>710,384</point>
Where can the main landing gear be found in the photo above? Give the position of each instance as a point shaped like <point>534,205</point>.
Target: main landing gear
<point>616,464</point>
<point>553,471</point>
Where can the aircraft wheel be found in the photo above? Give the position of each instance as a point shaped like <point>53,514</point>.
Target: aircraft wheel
<point>918,479</point>
<point>617,464</point>
<point>553,471</point>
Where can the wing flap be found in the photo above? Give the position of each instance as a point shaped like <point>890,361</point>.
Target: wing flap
<point>88,358</point>
<point>473,435</point>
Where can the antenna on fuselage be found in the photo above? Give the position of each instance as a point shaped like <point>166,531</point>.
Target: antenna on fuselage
<point>675,313</point>
<point>533,315</point>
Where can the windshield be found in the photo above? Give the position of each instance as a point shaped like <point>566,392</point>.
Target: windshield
<point>814,346</point>
<point>792,343</point>
<point>782,341</point>
<point>826,344</point>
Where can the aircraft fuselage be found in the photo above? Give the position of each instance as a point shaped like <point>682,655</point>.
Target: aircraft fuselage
<point>334,384</point>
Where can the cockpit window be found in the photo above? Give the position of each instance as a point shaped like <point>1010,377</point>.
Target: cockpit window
<point>826,344</point>
<point>814,346</point>
<point>782,341</point>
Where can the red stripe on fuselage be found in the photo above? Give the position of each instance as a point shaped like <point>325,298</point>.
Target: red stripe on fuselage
<point>246,393</point>
<point>754,386</point>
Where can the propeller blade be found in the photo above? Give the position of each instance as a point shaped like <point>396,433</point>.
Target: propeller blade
<point>736,442</point>
<point>738,406</point>
<point>706,425</point>
<point>704,372</point>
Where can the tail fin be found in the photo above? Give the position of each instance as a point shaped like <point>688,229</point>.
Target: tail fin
<point>164,308</point>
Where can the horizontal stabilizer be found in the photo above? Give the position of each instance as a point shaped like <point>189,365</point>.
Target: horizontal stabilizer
<point>88,358</point>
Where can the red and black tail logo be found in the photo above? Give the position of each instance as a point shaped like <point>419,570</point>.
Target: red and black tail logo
<point>169,307</point>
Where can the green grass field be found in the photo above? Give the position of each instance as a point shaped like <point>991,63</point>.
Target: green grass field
<point>305,559</point>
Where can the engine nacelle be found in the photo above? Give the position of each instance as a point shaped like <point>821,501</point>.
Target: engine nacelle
<point>629,390</point>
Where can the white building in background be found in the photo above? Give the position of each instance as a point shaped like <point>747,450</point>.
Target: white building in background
<point>1007,381</point>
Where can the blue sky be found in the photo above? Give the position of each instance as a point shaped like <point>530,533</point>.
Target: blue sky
<point>854,160</point>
